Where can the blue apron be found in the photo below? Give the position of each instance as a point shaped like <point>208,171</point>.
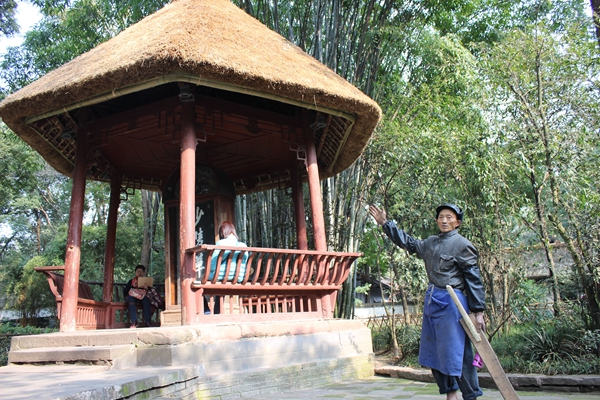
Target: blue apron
<point>442,337</point>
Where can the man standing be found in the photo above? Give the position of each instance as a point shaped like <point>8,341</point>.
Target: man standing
<point>450,259</point>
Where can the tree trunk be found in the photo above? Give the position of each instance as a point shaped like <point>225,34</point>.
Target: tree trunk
<point>405,305</point>
<point>150,208</point>
<point>596,11</point>
<point>146,240</point>
<point>590,287</point>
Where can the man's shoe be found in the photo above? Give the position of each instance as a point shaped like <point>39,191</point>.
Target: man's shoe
<point>133,325</point>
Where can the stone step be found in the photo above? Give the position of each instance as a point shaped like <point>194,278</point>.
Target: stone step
<point>105,337</point>
<point>118,356</point>
<point>49,369</point>
<point>170,317</point>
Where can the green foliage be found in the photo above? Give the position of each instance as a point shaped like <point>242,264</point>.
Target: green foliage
<point>18,166</point>
<point>361,290</point>
<point>433,108</point>
<point>374,255</point>
<point>408,337</point>
<point>27,290</point>
<point>590,342</point>
<point>127,247</point>
<point>8,330</point>
<point>8,21</point>
<point>382,338</point>
<point>552,346</point>
<point>525,301</point>
<point>544,119</point>
<point>547,344</point>
<point>68,29</point>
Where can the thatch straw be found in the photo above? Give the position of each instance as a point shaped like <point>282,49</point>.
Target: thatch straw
<point>211,39</point>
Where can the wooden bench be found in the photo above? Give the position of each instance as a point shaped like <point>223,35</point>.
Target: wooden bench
<point>91,313</point>
<point>253,283</point>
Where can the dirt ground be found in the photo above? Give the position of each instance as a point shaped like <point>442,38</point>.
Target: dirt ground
<point>386,357</point>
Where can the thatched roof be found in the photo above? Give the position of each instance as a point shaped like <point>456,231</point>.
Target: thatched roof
<point>204,42</point>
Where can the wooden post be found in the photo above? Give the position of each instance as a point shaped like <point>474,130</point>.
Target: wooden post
<point>485,350</point>
<point>111,235</point>
<point>316,202</point>
<point>299,212</point>
<point>187,209</point>
<point>68,318</point>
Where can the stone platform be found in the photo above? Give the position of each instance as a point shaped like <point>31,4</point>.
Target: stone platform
<point>206,361</point>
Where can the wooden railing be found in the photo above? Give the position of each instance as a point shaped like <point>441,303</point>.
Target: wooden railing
<point>264,283</point>
<point>250,283</point>
<point>91,313</point>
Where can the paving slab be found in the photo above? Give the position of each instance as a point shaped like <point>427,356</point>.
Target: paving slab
<point>386,388</point>
<point>81,382</point>
<point>96,382</point>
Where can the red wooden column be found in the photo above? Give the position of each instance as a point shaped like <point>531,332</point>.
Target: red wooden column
<point>187,205</point>
<point>68,317</point>
<point>299,212</point>
<point>314,187</point>
<point>111,235</point>
<point>316,204</point>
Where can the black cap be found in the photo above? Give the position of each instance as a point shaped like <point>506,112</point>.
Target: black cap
<point>457,210</point>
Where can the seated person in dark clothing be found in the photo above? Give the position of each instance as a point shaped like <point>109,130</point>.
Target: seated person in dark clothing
<point>135,292</point>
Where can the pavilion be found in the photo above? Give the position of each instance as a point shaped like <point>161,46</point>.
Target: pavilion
<point>201,102</point>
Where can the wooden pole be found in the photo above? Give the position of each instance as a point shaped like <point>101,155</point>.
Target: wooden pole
<point>187,209</point>
<point>316,205</point>
<point>299,211</point>
<point>314,187</point>
<point>111,237</point>
<point>70,294</point>
<point>463,313</point>
<point>485,350</point>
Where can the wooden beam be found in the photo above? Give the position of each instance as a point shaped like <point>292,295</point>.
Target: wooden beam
<point>209,103</point>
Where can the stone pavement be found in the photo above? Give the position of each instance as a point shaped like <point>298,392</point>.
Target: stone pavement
<point>80,382</point>
<point>379,387</point>
<point>75,381</point>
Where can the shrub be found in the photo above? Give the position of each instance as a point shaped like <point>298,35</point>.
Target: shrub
<point>590,342</point>
<point>382,338</point>
<point>549,343</point>
<point>8,330</point>
<point>553,346</point>
<point>409,337</point>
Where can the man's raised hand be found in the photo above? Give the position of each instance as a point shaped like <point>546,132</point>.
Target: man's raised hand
<point>378,214</point>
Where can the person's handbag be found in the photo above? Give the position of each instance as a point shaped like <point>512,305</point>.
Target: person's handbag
<point>137,293</point>
<point>154,297</point>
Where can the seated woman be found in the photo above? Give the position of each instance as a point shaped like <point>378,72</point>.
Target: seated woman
<point>228,237</point>
<point>135,292</point>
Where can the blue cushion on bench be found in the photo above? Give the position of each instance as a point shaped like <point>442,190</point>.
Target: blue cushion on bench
<point>238,261</point>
